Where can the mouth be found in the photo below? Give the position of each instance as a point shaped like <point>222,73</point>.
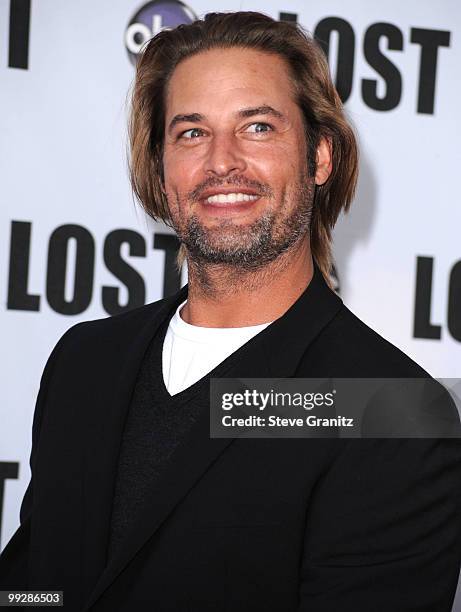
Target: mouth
<point>229,204</point>
<point>236,197</point>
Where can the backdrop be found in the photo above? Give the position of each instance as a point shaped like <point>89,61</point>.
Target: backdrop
<point>75,247</point>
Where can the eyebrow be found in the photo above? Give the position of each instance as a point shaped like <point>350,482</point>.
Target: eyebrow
<point>242,113</point>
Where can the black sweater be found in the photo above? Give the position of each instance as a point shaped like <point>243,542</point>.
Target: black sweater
<point>155,426</point>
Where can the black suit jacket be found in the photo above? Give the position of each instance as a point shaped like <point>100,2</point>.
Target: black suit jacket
<point>277,525</point>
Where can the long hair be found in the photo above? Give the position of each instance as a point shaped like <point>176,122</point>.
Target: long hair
<point>315,94</point>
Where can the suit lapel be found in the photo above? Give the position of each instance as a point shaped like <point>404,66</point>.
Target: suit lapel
<point>189,462</point>
<point>289,337</point>
<point>275,352</point>
<point>104,438</point>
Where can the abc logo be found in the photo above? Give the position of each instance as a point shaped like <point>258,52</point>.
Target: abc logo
<point>151,19</point>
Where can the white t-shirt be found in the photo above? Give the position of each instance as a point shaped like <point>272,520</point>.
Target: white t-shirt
<point>190,351</point>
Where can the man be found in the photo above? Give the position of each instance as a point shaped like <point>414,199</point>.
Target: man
<point>239,141</point>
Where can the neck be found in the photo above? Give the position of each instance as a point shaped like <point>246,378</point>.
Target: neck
<point>223,296</point>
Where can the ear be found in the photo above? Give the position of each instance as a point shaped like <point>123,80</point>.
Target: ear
<point>323,161</point>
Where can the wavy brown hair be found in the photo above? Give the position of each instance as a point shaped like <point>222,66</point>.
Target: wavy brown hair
<point>315,94</point>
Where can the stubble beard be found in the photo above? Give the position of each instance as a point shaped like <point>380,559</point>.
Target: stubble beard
<point>254,246</point>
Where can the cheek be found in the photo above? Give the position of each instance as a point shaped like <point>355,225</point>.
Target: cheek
<point>280,160</point>
<point>181,171</point>
<point>279,169</point>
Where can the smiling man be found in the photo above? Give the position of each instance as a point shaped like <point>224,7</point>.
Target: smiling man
<point>237,178</point>
<point>240,143</point>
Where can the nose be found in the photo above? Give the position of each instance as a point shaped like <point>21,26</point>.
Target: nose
<point>224,156</point>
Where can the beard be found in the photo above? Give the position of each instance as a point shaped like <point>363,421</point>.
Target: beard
<point>253,246</point>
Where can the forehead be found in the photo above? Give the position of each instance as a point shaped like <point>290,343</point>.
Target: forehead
<point>218,79</point>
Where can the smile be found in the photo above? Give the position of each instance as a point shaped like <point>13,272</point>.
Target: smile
<point>224,198</point>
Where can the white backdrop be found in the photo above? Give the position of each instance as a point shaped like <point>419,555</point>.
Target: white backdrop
<point>63,163</point>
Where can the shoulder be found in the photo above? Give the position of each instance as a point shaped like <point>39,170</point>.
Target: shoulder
<point>94,353</point>
<point>134,318</point>
<point>113,332</point>
<point>349,347</point>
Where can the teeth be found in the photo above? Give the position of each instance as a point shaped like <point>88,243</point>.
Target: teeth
<point>222,198</point>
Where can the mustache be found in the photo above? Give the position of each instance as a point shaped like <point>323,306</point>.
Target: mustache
<point>237,181</point>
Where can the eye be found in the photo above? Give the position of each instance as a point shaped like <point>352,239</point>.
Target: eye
<point>258,124</point>
<point>189,134</point>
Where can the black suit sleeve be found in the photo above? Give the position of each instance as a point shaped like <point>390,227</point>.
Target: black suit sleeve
<point>14,558</point>
<point>383,529</point>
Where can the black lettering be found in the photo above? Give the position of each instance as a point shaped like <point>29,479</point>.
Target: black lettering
<point>423,328</point>
<point>454,302</point>
<point>346,51</point>
<point>291,17</point>
<point>57,265</point>
<point>171,276</point>
<point>8,471</point>
<point>18,275</point>
<point>430,41</point>
<point>18,45</point>
<point>383,66</point>
<point>132,280</point>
